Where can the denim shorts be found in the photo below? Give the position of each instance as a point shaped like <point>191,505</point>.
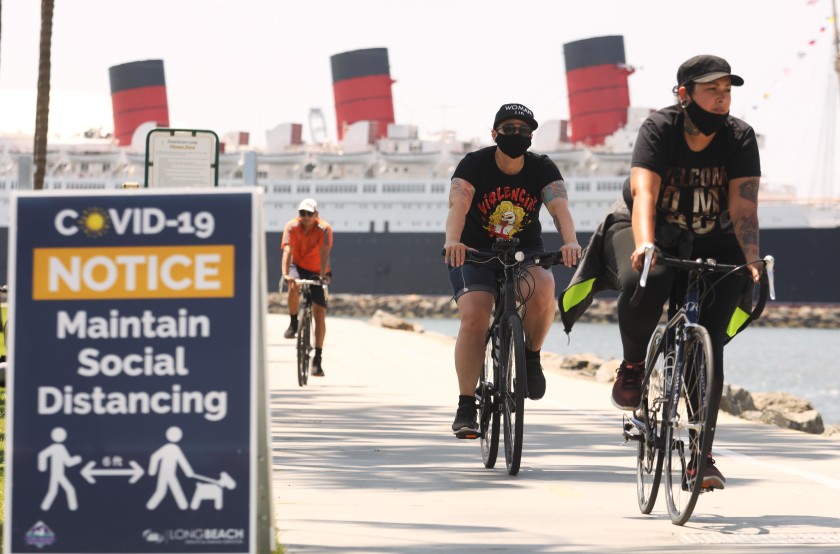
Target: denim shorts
<point>486,276</point>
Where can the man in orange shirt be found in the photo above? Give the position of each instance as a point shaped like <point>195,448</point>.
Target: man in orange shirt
<point>306,245</point>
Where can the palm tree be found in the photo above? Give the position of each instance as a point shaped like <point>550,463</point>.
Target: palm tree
<point>42,107</point>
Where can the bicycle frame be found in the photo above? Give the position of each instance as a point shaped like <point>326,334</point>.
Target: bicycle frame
<point>682,413</point>
<point>304,334</point>
<point>504,397</point>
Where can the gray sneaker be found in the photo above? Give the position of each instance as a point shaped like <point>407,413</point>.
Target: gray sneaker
<point>291,331</point>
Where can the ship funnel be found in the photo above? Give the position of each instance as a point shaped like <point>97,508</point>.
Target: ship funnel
<point>596,75</point>
<point>138,96</point>
<point>362,88</point>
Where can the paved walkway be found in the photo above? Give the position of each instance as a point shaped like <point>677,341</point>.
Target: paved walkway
<point>364,462</point>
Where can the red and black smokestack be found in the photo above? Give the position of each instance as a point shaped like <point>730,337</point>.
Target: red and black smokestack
<point>362,88</point>
<point>596,75</point>
<point>138,95</point>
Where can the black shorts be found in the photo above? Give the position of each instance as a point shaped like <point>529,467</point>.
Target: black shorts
<point>318,296</point>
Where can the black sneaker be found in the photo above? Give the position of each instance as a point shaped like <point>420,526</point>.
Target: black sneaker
<point>536,379</point>
<point>627,389</point>
<point>465,425</point>
<point>712,477</point>
<point>317,370</point>
<point>291,331</point>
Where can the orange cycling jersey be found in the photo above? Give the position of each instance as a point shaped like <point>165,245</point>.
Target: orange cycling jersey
<point>306,245</point>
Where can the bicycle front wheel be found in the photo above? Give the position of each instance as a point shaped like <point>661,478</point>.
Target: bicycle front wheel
<point>488,414</point>
<point>649,458</point>
<point>689,426</point>
<point>303,346</point>
<point>512,390</point>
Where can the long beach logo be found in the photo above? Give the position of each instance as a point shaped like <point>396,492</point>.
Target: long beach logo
<point>153,537</point>
<point>40,535</point>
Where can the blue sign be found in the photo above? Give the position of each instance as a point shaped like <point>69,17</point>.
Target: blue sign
<point>134,351</point>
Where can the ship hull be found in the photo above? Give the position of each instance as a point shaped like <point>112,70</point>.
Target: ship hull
<point>411,263</point>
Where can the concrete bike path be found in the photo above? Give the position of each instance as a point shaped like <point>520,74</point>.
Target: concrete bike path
<point>364,462</point>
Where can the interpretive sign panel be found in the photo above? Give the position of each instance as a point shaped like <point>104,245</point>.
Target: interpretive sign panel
<point>182,158</point>
<point>133,420</point>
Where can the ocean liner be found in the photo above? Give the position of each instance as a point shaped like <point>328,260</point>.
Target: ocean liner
<point>385,189</point>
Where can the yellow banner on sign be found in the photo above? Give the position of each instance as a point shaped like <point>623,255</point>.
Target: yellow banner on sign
<point>133,272</point>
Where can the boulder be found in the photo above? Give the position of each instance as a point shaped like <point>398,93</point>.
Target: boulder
<point>809,421</point>
<point>736,400</point>
<point>390,321</point>
<point>780,401</point>
<point>587,364</point>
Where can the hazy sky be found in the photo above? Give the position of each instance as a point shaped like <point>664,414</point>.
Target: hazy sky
<point>248,65</point>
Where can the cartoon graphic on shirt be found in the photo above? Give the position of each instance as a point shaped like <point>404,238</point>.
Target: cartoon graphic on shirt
<point>506,220</point>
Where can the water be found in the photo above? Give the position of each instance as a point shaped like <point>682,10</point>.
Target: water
<point>802,362</point>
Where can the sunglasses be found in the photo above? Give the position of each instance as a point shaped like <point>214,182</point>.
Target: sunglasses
<point>304,213</point>
<point>512,129</point>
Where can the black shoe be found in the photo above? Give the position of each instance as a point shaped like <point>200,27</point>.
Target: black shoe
<point>291,331</point>
<point>627,389</point>
<point>536,379</point>
<point>465,425</point>
<point>712,477</point>
<point>317,371</point>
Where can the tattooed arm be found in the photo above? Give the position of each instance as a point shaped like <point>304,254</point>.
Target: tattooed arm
<point>460,198</point>
<point>743,207</point>
<point>556,201</point>
<point>644,186</point>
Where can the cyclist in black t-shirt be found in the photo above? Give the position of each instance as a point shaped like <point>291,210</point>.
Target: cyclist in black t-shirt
<point>693,192</point>
<point>496,193</point>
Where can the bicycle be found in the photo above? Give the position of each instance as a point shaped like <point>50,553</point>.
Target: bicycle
<point>672,424</point>
<point>304,331</point>
<point>502,386</point>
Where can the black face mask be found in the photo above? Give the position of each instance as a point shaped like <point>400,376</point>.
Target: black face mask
<point>513,145</point>
<point>707,123</point>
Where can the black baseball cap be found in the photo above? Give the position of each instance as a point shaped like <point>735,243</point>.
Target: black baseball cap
<point>704,69</point>
<point>515,111</point>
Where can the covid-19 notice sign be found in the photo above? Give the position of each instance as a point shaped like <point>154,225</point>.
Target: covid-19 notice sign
<point>134,351</point>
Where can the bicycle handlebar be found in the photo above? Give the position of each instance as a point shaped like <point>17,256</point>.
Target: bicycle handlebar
<point>315,282</point>
<point>767,281</point>
<point>506,253</point>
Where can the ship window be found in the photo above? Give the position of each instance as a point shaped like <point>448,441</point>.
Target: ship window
<point>609,185</point>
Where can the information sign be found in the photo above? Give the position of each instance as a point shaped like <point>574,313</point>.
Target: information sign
<point>135,391</point>
<point>182,158</point>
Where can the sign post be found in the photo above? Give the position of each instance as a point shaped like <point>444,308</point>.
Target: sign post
<point>137,420</point>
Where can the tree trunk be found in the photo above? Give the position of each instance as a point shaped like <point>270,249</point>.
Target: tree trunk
<point>42,108</point>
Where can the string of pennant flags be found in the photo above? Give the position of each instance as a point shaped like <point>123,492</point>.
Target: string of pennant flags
<point>818,37</point>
